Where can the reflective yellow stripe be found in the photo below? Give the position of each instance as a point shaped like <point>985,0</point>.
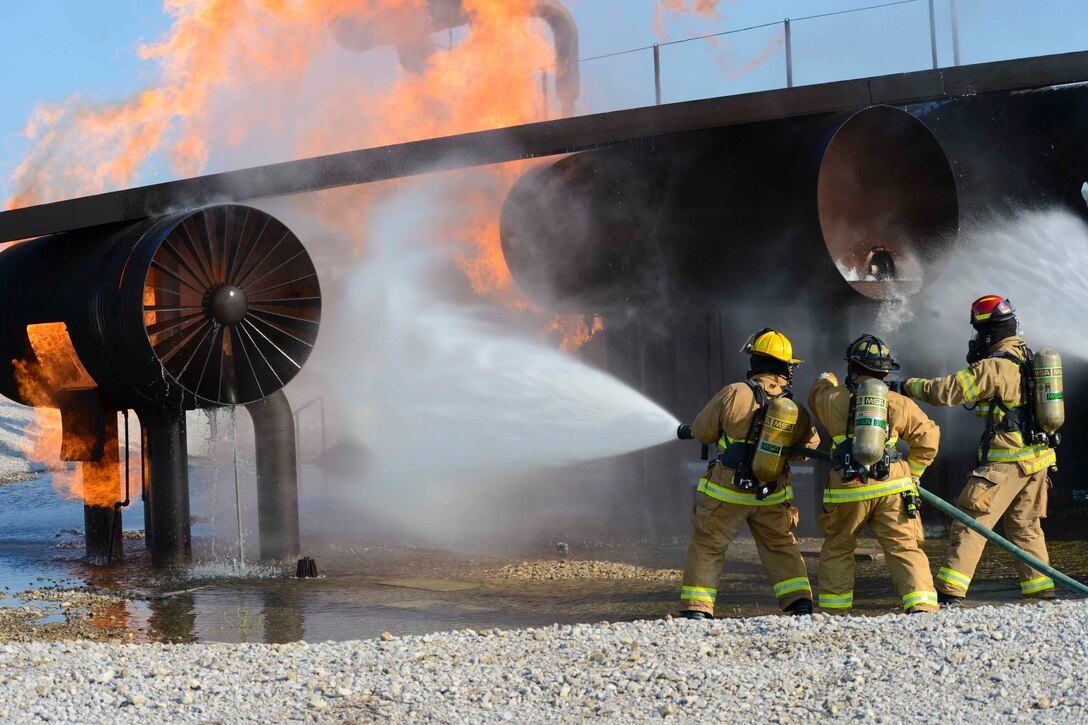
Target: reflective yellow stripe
<point>890,443</point>
<point>705,594</point>
<point>954,578</point>
<point>915,386</point>
<point>1046,460</point>
<point>744,497</point>
<point>910,600</point>
<point>967,380</point>
<point>726,441</point>
<point>1020,454</point>
<point>864,493</point>
<point>916,468</point>
<point>837,601</point>
<point>792,585</point>
<point>1036,585</point>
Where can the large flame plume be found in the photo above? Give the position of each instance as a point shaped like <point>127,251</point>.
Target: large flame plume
<point>220,51</point>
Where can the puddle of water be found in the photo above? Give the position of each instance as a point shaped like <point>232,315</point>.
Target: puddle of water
<point>365,589</point>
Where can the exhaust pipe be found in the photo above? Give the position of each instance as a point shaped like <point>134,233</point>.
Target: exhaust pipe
<point>864,201</point>
<point>408,27</point>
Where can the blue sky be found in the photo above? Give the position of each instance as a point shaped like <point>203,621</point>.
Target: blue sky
<point>51,49</point>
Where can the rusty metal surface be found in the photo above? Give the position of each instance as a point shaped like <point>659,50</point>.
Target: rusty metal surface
<point>538,139</point>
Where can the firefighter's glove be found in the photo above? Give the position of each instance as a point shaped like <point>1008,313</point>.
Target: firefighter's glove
<point>830,377</point>
<point>684,432</point>
<point>896,386</point>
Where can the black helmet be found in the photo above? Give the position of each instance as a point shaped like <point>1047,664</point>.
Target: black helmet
<point>870,353</point>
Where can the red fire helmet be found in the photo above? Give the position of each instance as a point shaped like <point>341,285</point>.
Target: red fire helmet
<point>991,308</point>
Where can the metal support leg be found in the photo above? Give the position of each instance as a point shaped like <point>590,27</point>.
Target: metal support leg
<point>167,486</point>
<point>277,477</point>
<point>101,533</point>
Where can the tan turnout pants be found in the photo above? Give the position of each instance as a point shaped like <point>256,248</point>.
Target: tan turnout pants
<point>715,524</point>
<point>999,491</point>
<point>900,537</point>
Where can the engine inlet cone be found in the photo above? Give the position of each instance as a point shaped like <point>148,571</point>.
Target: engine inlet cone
<point>227,304</point>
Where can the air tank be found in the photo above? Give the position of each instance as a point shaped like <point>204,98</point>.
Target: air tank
<point>870,422</point>
<point>1049,394</point>
<point>775,438</point>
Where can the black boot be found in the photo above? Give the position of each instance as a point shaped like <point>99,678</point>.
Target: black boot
<point>948,600</point>
<point>800,608</point>
<point>692,614</point>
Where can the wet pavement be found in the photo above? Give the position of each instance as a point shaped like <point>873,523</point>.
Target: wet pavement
<point>366,589</point>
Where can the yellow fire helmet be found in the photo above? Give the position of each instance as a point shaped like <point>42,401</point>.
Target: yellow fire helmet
<point>771,343</point>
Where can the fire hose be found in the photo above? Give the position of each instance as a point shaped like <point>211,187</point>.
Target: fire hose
<point>947,508</point>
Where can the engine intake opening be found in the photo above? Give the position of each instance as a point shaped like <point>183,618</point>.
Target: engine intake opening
<point>881,264</point>
<point>885,177</point>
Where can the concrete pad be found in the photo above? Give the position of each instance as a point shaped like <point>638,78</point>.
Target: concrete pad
<point>431,585</point>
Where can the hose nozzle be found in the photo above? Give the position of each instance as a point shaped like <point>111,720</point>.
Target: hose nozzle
<point>683,432</point>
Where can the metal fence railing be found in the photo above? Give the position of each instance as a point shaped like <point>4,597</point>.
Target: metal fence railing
<point>785,27</point>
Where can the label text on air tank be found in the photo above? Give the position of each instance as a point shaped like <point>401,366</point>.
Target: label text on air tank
<point>871,400</point>
<point>781,424</point>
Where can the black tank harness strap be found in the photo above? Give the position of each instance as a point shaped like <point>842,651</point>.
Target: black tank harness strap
<point>1016,420</point>
<point>738,456</point>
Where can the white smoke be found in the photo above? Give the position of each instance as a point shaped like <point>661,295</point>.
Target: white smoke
<point>442,399</point>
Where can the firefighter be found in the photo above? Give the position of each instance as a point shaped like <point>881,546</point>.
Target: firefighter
<point>883,495</point>
<point>749,480</point>
<point>1010,482</point>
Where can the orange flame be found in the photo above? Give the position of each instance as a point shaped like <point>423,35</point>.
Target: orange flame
<point>219,51</point>
<point>54,369</point>
<point>665,10</point>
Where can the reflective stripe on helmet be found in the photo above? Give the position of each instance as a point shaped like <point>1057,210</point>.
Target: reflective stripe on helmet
<point>991,307</point>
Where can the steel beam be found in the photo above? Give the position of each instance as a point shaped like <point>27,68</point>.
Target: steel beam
<point>538,139</point>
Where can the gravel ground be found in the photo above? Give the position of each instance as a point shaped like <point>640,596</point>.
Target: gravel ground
<point>537,570</point>
<point>53,614</point>
<point>1004,664</point>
